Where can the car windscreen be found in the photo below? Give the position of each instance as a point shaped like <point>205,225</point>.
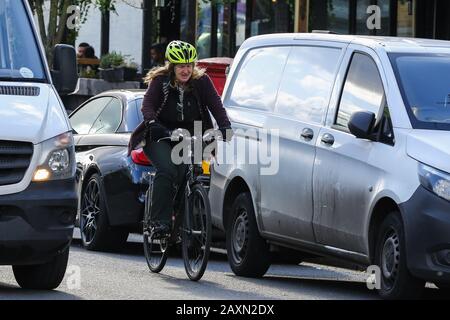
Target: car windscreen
<point>424,80</point>
<point>20,59</point>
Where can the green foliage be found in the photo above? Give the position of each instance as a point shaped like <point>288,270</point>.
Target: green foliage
<point>116,59</point>
<point>111,60</point>
<point>53,26</point>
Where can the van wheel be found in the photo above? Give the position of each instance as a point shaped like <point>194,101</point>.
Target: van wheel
<point>390,255</point>
<point>248,252</point>
<point>96,233</point>
<point>47,276</point>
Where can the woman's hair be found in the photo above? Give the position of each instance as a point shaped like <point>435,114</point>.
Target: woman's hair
<point>90,53</point>
<point>169,69</point>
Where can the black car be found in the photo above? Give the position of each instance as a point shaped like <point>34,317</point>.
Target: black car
<point>111,184</point>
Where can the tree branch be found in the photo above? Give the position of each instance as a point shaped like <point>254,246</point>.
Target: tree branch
<point>52,22</point>
<point>41,21</point>
<point>62,22</point>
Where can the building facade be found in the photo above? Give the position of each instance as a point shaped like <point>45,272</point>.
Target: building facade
<point>219,27</point>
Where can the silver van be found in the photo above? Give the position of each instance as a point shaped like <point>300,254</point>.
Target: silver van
<point>362,149</point>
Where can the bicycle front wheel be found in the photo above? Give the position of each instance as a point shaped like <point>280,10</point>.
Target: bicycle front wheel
<point>196,233</point>
<point>155,250</point>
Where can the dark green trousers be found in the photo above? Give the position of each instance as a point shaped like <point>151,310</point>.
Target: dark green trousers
<point>169,177</point>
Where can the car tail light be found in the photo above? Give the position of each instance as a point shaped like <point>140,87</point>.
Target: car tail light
<point>139,157</point>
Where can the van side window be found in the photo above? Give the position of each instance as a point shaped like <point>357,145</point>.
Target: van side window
<point>258,78</point>
<point>385,131</point>
<point>363,90</point>
<point>307,82</point>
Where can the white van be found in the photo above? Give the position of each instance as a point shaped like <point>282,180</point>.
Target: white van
<point>38,200</point>
<point>363,168</point>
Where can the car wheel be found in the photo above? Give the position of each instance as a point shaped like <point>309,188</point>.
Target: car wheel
<point>390,255</point>
<point>96,233</point>
<point>45,276</point>
<point>248,252</point>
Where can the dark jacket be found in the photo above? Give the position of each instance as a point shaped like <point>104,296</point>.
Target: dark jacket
<point>156,97</point>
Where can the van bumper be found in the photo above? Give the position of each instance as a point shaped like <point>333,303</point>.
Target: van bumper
<point>37,223</point>
<point>427,234</point>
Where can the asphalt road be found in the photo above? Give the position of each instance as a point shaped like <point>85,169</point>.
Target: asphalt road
<point>125,275</point>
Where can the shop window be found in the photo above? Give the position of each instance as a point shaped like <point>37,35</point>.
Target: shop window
<point>330,15</point>
<point>204,29</point>
<point>385,18</point>
<point>362,16</point>
<point>223,30</point>
<point>240,22</point>
<point>405,18</point>
<point>269,16</point>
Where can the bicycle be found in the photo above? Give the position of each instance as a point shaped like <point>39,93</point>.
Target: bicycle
<point>195,229</point>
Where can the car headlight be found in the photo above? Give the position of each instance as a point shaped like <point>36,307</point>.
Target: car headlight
<point>57,160</point>
<point>435,180</point>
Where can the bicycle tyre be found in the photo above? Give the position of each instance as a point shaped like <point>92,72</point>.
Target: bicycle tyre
<point>197,218</point>
<point>155,251</point>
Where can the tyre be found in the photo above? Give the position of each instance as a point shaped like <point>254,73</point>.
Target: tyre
<point>390,255</point>
<point>196,233</point>
<point>155,250</point>
<point>96,233</point>
<point>248,252</point>
<point>47,276</point>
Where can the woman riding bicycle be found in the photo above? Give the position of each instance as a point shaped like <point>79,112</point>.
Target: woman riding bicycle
<point>178,95</point>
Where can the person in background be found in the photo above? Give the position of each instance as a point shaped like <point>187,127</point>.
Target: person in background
<point>81,51</point>
<point>90,54</point>
<point>157,53</point>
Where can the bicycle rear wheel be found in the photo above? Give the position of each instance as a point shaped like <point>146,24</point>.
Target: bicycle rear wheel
<point>196,233</point>
<point>155,250</point>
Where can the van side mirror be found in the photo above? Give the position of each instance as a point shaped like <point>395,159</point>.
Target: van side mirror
<point>64,71</point>
<point>361,124</point>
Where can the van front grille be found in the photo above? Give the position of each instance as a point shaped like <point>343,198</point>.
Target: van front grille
<point>15,158</point>
<point>19,91</point>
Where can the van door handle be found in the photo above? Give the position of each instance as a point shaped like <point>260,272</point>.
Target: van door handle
<point>328,139</point>
<point>307,134</point>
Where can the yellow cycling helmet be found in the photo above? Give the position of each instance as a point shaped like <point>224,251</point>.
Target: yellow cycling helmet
<point>181,52</point>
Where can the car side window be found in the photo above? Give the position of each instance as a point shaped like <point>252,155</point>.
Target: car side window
<point>132,118</point>
<point>138,109</point>
<point>363,90</point>
<point>110,118</point>
<point>83,119</point>
<point>307,83</point>
<point>258,78</point>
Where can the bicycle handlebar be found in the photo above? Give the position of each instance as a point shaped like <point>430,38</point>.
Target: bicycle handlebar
<point>178,134</point>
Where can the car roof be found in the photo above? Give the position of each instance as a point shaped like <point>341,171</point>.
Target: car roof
<point>388,44</point>
<point>126,94</point>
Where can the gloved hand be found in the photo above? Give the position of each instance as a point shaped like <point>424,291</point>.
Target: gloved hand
<point>227,133</point>
<point>157,131</point>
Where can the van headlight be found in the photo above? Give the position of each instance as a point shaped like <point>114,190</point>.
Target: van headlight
<point>57,160</point>
<point>435,180</point>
